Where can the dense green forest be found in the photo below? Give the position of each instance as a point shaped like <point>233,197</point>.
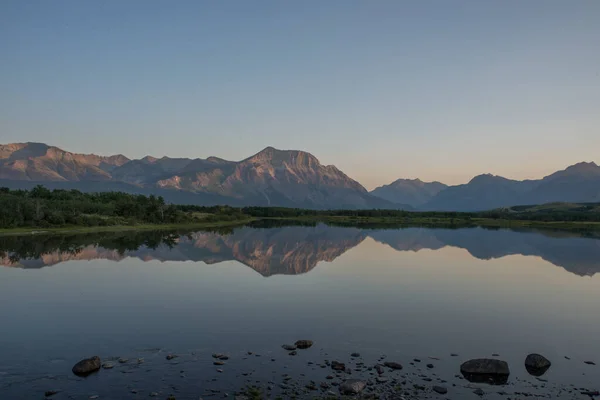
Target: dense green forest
<point>44,208</point>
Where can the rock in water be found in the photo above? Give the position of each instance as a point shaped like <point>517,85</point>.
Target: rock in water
<point>352,386</point>
<point>289,347</point>
<point>338,366</point>
<point>303,344</point>
<point>485,370</point>
<point>440,389</point>
<point>536,364</point>
<point>392,365</point>
<point>87,366</point>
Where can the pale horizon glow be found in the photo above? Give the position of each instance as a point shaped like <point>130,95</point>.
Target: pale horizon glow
<point>383,90</point>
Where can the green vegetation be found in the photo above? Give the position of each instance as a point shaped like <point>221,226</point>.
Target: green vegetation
<point>74,211</point>
<point>41,208</point>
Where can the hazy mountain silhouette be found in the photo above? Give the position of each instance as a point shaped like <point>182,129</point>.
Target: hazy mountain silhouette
<point>413,192</point>
<point>271,177</point>
<point>579,183</point>
<point>297,249</point>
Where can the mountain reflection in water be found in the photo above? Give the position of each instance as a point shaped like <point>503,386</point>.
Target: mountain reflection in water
<point>295,250</point>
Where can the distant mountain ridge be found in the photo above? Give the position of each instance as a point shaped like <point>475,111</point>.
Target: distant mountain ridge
<point>287,178</point>
<point>579,183</point>
<point>413,192</point>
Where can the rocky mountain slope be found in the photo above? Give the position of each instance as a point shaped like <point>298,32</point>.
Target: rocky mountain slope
<point>40,162</point>
<point>269,178</point>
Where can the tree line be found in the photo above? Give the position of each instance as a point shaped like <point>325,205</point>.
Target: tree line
<point>41,207</point>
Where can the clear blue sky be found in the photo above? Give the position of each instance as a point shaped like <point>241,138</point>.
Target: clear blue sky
<point>383,89</point>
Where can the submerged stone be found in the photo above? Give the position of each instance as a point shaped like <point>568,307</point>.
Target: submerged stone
<point>485,370</point>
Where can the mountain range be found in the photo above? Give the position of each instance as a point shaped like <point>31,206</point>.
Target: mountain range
<point>296,250</point>
<point>579,183</point>
<point>272,177</point>
<point>286,178</point>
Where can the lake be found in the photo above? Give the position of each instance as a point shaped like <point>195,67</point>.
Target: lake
<point>442,296</point>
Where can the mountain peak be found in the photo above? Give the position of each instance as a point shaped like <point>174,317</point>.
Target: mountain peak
<point>488,178</point>
<point>149,159</point>
<point>583,166</point>
<point>278,157</point>
<point>582,169</point>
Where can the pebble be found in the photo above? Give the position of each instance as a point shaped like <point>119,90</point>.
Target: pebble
<point>393,365</point>
<point>303,344</point>
<point>479,392</point>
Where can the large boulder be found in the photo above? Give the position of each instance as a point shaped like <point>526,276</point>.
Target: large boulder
<point>536,364</point>
<point>87,366</point>
<point>352,386</point>
<point>486,370</point>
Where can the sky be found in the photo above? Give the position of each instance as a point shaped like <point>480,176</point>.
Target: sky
<point>383,89</point>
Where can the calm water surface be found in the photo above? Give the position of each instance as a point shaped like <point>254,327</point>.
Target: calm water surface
<point>404,293</point>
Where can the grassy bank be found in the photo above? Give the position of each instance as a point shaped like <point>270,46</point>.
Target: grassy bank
<point>362,222</point>
<point>122,228</point>
<point>442,222</point>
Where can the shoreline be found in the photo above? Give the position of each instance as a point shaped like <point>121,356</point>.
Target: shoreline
<point>301,370</point>
<point>444,222</point>
<point>343,221</point>
<point>120,228</point>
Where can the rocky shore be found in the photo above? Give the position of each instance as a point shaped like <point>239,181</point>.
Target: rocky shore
<point>299,370</point>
